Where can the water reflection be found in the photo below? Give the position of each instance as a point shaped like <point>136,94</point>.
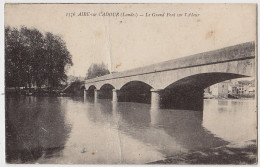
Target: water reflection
<point>34,129</point>
<point>235,122</point>
<point>82,130</point>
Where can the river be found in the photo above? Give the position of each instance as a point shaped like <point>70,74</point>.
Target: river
<point>81,131</point>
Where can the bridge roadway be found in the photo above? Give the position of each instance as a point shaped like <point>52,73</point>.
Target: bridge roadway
<point>177,83</point>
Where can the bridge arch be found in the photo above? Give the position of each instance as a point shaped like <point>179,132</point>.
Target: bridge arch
<point>135,91</point>
<point>190,90</point>
<point>135,83</point>
<point>91,90</point>
<point>107,86</point>
<point>106,91</point>
<point>204,80</point>
<point>226,70</point>
<point>92,87</point>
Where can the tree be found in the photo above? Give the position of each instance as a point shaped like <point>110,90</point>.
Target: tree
<point>33,57</point>
<point>97,70</point>
<point>58,57</point>
<point>14,63</point>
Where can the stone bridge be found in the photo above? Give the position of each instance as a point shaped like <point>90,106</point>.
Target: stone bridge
<point>177,83</point>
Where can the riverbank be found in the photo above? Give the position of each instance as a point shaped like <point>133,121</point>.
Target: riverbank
<point>240,153</point>
<point>40,92</point>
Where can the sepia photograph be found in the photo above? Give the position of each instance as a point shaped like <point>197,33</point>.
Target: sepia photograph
<point>129,83</point>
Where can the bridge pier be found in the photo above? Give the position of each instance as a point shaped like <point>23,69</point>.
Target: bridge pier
<point>85,93</point>
<point>155,98</point>
<point>96,94</point>
<point>114,96</point>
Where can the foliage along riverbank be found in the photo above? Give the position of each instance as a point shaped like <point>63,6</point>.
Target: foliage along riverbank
<point>33,58</point>
<point>240,153</point>
<point>39,92</point>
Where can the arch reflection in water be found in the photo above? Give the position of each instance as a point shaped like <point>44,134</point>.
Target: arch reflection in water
<point>179,130</point>
<point>185,127</point>
<point>84,131</point>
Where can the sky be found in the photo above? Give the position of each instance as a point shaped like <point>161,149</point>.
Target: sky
<point>145,36</point>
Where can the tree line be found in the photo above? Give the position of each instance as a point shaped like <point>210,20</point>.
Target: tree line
<point>32,57</point>
<point>97,70</point>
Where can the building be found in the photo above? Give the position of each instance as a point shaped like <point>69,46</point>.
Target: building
<point>243,88</point>
<point>221,90</point>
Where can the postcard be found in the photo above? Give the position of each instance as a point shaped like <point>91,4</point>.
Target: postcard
<point>126,83</point>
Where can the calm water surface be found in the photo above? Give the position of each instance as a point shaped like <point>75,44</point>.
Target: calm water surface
<point>74,130</point>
